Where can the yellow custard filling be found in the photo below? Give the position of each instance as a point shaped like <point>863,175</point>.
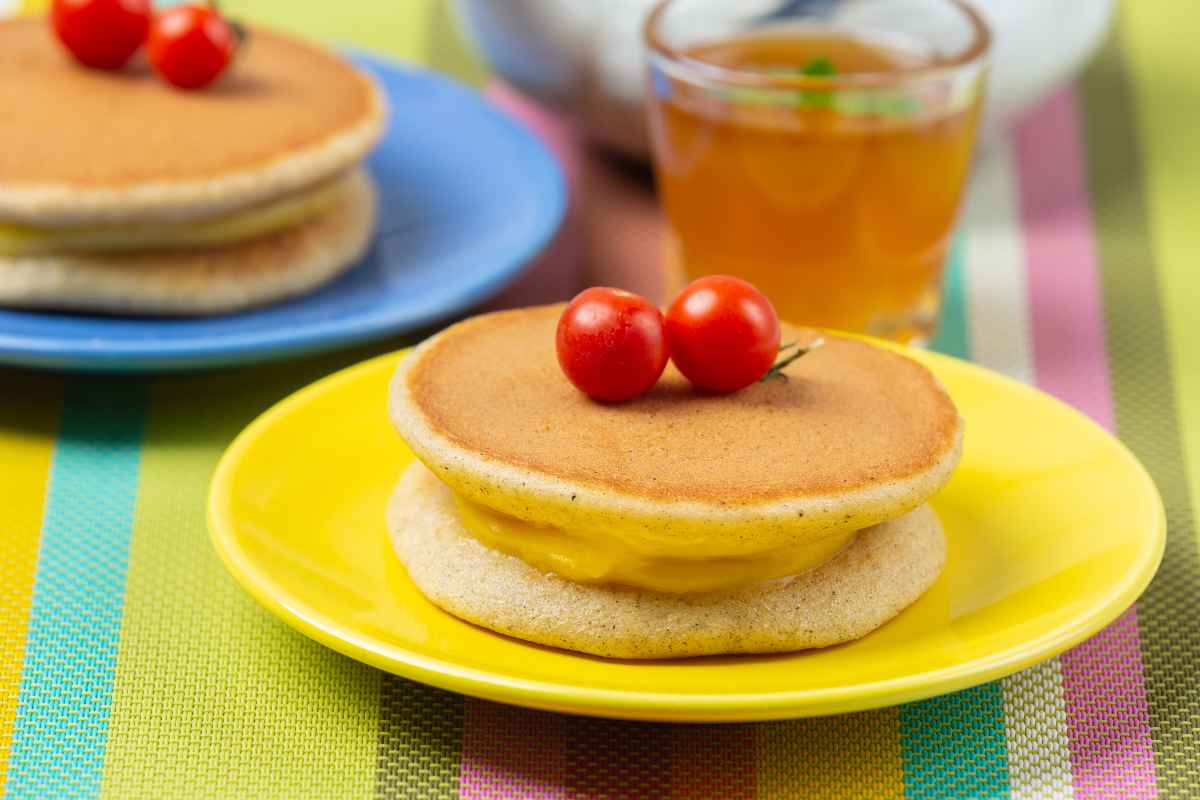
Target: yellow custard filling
<point>597,558</point>
<point>27,240</point>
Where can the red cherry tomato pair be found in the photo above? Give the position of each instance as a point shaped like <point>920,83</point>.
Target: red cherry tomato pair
<point>721,332</point>
<point>189,46</point>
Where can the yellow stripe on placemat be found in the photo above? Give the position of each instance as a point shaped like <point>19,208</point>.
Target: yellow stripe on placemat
<point>213,696</point>
<point>1152,244</point>
<point>422,31</point>
<point>1159,37</point>
<point>32,404</point>
<point>396,29</point>
<point>849,755</point>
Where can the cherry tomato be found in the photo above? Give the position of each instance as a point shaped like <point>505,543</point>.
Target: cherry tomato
<point>191,45</point>
<point>101,33</point>
<point>611,343</point>
<point>723,333</point>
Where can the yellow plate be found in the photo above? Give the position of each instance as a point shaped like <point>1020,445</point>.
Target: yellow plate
<point>1053,529</point>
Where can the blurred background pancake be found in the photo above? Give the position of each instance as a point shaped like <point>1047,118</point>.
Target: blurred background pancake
<point>121,194</point>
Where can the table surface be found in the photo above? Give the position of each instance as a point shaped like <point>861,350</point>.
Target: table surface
<point>131,665</point>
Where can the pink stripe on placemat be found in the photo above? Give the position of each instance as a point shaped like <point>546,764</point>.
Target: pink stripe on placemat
<point>1105,694</point>
<point>1107,718</point>
<point>1069,355</point>
<point>511,753</point>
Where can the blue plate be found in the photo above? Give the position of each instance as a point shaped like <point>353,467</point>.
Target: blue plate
<point>466,198</point>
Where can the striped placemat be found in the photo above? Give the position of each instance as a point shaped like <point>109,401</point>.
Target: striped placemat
<point>132,666</point>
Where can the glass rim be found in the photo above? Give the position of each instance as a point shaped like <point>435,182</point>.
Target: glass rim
<point>976,52</point>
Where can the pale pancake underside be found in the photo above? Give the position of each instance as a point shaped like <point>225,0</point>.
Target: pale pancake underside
<point>881,572</point>
<point>199,281</point>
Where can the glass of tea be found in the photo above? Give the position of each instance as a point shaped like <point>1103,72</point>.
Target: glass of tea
<point>817,148</point>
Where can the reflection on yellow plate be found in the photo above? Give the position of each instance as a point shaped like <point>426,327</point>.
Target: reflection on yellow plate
<point>1053,530</point>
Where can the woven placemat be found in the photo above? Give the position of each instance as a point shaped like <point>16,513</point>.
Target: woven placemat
<point>131,665</point>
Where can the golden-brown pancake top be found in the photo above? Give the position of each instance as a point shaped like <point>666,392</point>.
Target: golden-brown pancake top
<point>850,415</point>
<point>61,123</point>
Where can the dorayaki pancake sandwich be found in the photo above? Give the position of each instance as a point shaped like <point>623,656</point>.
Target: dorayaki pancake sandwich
<point>122,194</point>
<point>787,515</point>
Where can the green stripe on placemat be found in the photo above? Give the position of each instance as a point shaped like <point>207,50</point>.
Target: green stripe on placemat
<point>420,741</point>
<point>1147,419</point>
<point>214,697</point>
<point>831,758</point>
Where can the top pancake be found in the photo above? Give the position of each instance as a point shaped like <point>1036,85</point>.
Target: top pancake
<point>80,145</point>
<point>855,436</point>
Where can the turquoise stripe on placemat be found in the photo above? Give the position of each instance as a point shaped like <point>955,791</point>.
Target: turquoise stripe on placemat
<point>61,722</point>
<point>954,746</point>
<point>951,336</point>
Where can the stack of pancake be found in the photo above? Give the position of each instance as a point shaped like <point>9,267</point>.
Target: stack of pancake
<point>788,515</point>
<point>121,194</point>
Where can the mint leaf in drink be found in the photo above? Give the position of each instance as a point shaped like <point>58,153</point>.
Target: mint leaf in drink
<point>819,67</point>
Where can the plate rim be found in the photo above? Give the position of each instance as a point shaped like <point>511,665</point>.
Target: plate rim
<point>665,706</point>
<point>547,184</point>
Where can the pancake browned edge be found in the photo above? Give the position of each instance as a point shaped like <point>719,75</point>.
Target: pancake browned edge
<point>883,570</point>
<point>208,280</point>
<point>87,146</point>
<point>854,436</point>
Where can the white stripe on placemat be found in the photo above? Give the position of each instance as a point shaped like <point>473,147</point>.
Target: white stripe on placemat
<point>998,317</point>
<point>1035,729</point>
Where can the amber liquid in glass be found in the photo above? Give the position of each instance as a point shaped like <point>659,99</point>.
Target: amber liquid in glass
<point>843,217</point>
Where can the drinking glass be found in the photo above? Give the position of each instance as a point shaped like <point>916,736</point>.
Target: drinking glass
<point>818,149</point>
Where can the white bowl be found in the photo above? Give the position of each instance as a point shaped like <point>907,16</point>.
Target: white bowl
<point>586,58</point>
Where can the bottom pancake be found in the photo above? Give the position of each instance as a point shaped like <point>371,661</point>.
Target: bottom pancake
<point>199,281</point>
<point>883,570</point>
